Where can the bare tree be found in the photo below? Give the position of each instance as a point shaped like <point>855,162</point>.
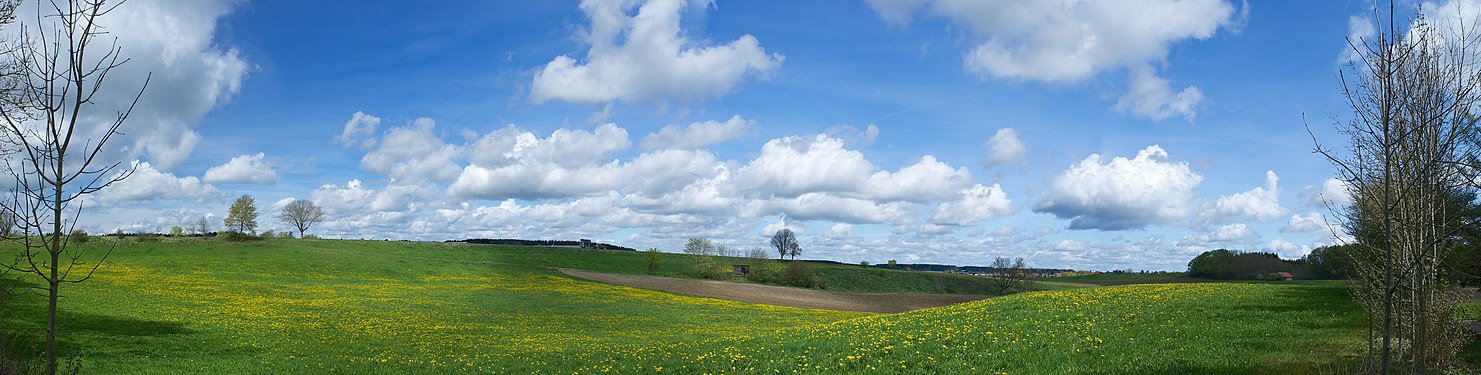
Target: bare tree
<point>1009,274</point>
<point>756,252</point>
<point>1412,145</point>
<point>59,157</point>
<point>202,226</point>
<point>242,215</point>
<point>301,214</point>
<point>785,243</point>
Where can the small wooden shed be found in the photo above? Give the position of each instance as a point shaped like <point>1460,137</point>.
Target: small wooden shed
<point>1286,276</point>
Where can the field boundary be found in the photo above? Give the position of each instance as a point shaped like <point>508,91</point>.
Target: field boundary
<point>780,296</point>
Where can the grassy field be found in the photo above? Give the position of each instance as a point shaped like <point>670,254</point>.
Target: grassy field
<point>834,277</point>
<point>1138,329</point>
<point>367,307</point>
<point>317,306</point>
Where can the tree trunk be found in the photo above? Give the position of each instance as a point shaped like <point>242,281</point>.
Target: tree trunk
<point>51,318</point>
<point>54,282</point>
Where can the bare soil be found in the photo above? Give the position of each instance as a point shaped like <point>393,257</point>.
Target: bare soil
<point>781,296</point>
<point>1063,283</point>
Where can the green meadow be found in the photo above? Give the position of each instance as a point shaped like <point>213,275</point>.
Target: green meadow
<point>330,306</point>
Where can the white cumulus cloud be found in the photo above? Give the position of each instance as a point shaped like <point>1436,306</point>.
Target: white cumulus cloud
<point>172,44</point>
<point>1332,194</point>
<point>414,153</point>
<point>192,74</point>
<point>243,169</point>
<point>1004,147</point>
<point>822,206</point>
<point>1260,203</point>
<point>665,171</point>
<point>647,57</point>
<point>1152,97</point>
<point>1071,245</point>
<point>781,223</point>
<point>1065,41</point>
<point>1222,236</point>
<point>359,131</point>
<point>976,204</point>
<point>926,180</point>
<point>792,166</point>
<point>1310,222</point>
<point>1287,249</point>
<point>840,230</point>
<point>149,183</point>
<point>1123,193</point>
<point>340,200</point>
<point>1359,30</point>
<point>698,135</point>
<point>355,209</point>
<point>512,163</point>
<point>699,195</point>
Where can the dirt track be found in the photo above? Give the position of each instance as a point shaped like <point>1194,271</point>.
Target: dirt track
<point>782,296</point>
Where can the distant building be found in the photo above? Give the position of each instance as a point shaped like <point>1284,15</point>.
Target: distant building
<point>1286,276</point>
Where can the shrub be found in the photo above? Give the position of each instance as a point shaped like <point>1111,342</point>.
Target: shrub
<point>708,268</point>
<point>234,236</point>
<point>147,237</point>
<point>718,272</point>
<point>653,257</point>
<point>310,237</point>
<point>765,273</point>
<point>78,236</point>
<point>800,274</point>
<point>285,234</point>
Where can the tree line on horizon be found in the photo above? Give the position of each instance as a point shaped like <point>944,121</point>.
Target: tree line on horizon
<point>240,222</point>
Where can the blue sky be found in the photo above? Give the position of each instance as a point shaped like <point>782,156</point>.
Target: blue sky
<point>1089,135</point>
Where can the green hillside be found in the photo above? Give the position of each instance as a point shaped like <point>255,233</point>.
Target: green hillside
<point>323,306</point>
<point>286,306</point>
<point>835,277</point>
